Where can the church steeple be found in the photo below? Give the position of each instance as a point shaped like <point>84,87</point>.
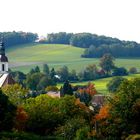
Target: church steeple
<point>3,58</point>
<point>2,48</point>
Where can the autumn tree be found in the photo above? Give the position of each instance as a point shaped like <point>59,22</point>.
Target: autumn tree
<point>85,94</point>
<point>21,118</point>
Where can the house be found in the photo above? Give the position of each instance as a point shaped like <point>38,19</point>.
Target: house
<point>54,94</point>
<point>98,100</point>
<point>5,77</point>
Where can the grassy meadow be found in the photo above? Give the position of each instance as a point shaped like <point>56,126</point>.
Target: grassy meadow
<point>25,57</point>
<point>100,84</point>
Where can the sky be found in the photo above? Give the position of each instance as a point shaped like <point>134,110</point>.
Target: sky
<point>114,18</point>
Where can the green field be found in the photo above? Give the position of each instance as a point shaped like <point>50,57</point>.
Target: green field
<point>100,84</point>
<point>25,57</point>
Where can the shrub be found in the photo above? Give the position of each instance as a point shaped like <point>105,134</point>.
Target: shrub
<point>133,70</point>
<point>119,72</point>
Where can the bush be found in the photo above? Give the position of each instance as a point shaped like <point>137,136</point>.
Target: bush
<point>119,72</point>
<point>133,70</point>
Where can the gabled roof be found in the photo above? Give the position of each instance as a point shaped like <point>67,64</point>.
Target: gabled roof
<point>98,99</point>
<point>6,79</point>
<point>53,94</point>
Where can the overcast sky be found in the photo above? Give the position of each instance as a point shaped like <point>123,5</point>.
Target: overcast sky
<point>115,18</point>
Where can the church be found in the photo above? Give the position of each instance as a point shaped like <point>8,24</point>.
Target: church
<point>5,77</point>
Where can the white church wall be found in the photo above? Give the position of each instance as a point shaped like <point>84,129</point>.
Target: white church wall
<point>5,67</point>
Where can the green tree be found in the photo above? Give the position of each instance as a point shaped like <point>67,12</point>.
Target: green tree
<point>124,111</point>
<point>114,83</point>
<point>52,73</point>
<point>63,73</point>
<point>33,80</point>
<point>69,129</point>
<point>46,69</point>
<point>16,93</point>
<point>66,89</point>
<point>32,71</point>
<point>106,63</point>
<point>44,82</point>
<point>73,76</point>
<point>19,77</point>
<point>7,113</point>
<point>37,69</point>
<point>119,71</point>
<point>46,114</point>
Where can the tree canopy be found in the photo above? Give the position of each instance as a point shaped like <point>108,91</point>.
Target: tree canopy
<point>17,38</point>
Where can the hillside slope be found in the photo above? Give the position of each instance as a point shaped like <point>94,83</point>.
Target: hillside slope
<point>55,55</point>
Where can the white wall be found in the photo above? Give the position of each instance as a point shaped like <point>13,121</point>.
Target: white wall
<point>5,67</point>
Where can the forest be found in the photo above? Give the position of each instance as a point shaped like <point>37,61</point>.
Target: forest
<point>95,45</point>
<point>17,38</point>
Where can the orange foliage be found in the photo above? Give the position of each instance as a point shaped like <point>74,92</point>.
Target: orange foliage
<point>90,89</point>
<point>21,118</point>
<point>81,105</point>
<point>103,113</point>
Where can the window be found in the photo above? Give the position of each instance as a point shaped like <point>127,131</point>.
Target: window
<point>3,69</point>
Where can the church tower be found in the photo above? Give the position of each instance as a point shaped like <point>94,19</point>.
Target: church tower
<point>3,59</point>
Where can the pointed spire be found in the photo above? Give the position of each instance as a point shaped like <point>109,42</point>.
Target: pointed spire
<point>2,48</point>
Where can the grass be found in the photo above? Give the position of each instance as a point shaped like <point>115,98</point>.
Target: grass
<point>25,57</point>
<point>100,84</point>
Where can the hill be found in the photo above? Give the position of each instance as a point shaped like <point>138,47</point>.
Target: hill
<point>97,45</point>
<point>24,57</point>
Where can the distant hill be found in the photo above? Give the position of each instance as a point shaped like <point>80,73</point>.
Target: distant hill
<point>25,57</point>
<point>96,46</point>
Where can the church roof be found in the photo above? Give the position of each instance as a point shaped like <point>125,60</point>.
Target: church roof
<point>6,79</point>
<point>3,58</point>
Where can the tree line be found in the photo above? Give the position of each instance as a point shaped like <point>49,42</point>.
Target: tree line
<point>17,38</point>
<point>95,45</point>
<point>42,81</point>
